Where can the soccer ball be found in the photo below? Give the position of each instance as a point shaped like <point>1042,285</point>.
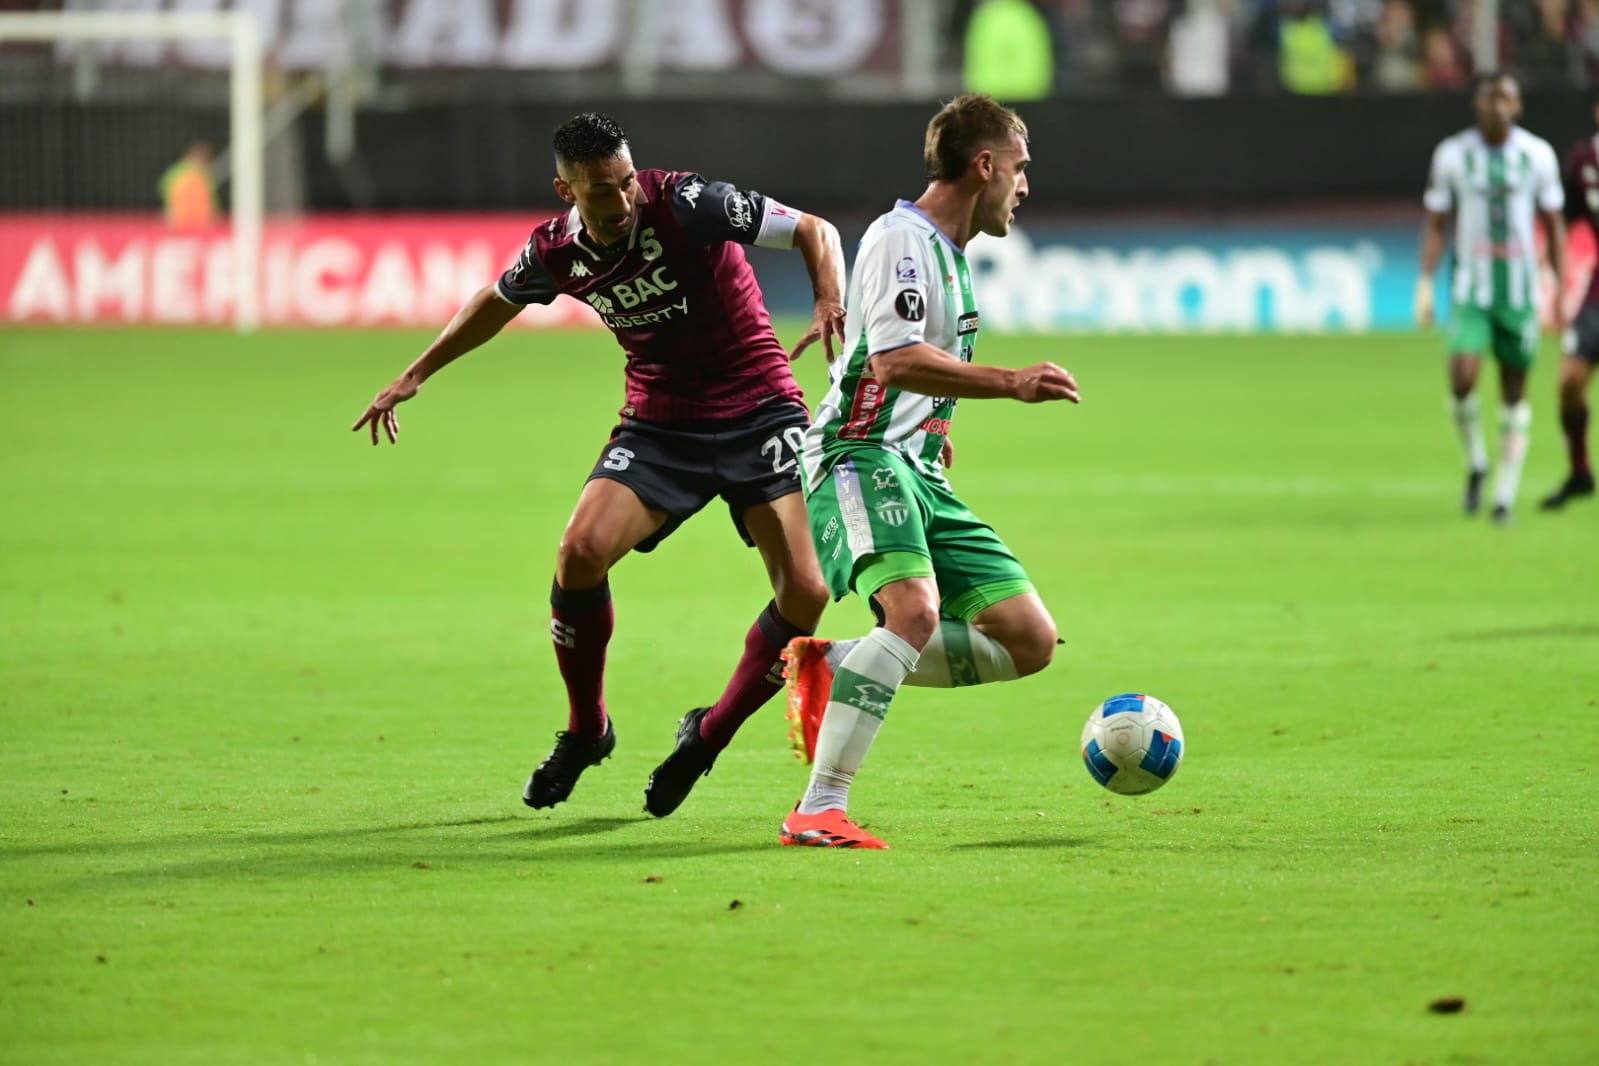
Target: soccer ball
<point>1132,744</point>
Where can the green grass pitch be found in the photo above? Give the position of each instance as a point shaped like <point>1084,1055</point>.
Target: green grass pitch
<point>268,697</point>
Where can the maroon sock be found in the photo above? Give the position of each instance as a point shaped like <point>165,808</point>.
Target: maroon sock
<point>1575,422</point>
<point>755,680</point>
<point>581,621</point>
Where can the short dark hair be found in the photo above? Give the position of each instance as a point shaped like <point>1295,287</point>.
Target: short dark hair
<point>588,138</point>
<point>962,128</point>
<point>1489,77</point>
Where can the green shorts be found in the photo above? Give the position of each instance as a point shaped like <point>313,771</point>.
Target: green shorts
<point>1511,337</point>
<point>873,503</point>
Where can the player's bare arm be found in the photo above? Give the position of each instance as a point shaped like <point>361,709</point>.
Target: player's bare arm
<point>1433,232</point>
<point>1554,223</point>
<point>478,320</point>
<point>817,240</point>
<point>925,369</point>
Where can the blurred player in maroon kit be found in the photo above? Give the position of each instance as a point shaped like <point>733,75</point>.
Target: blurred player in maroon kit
<point>1581,342</point>
<point>711,410</point>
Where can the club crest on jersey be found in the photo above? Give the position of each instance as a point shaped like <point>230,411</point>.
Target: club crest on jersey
<point>905,269</point>
<point>579,270</point>
<point>740,213</point>
<point>893,512</point>
<point>910,305</point>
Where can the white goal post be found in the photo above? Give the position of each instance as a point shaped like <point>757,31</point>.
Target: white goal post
<point>246,150</point>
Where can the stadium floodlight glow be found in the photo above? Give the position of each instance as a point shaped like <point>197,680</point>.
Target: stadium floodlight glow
<point>240,30</point>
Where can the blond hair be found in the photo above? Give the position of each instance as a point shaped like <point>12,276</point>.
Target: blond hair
<point>962,128</point>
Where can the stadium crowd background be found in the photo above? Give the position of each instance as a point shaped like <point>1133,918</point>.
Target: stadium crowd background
<point>1307,47</point>
<point>1251,165</point>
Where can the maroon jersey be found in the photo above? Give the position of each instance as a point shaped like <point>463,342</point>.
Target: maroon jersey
<point>1582,197</point>
<point>678,293</point>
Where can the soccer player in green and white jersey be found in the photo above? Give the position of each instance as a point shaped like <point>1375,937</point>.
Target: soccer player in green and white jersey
<point>955,606</point>
<point>1497,180</point>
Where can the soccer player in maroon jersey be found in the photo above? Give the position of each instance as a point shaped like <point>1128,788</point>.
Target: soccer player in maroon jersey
<point>1581,342</point>
<point>711,410</point>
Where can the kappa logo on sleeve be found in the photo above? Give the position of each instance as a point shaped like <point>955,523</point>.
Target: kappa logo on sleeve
<point>911,305</point>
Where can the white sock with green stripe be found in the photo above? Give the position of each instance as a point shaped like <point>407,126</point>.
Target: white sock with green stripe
<point>1515,429</point>
<point>959,654</point>
<point>863,685</point>
<point>1468,423</point>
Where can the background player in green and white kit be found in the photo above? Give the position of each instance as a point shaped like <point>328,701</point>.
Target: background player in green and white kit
<point>1497,180</point>
<point>955,605</point>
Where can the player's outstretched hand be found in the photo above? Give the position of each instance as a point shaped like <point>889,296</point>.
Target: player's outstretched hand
<point>381,410</point>
<point>1423,303</point>
<point>828,324</point>
<point>1044,382</point>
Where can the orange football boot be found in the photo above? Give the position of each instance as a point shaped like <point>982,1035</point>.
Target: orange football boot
<point>809,680</point>
<point>829,829</point>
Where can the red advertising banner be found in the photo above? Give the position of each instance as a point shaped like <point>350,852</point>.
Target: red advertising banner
<point>333,270</point>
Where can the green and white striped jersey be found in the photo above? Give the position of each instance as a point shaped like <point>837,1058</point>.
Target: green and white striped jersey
<point>911,284</point>
<point>1495,194</point>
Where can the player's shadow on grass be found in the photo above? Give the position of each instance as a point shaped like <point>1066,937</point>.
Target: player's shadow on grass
<point>1543,632</point>
<point>81,846</point>
<point>337,853</point>
<point>675,847</point>
<point>1039,843</point>
<point>583,827</point>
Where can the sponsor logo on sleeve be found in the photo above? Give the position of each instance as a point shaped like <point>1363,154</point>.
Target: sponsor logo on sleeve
<point>740,213</point>
<point>905,269</point>
<point>691,192</point>
<point>966,324</point>
<point>910,305</point>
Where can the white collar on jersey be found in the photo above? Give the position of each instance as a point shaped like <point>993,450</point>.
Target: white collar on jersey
<point>1510,138</point>
<point>910,205</point>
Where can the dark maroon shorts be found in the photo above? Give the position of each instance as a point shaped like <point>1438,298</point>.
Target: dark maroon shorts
<point>684,466</point>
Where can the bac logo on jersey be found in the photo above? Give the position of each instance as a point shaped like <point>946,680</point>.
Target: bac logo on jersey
<point>631,294</point>
<point>579,270</point>
<point>911,305</point>
<point>905,269</point>
<point>966,324</point>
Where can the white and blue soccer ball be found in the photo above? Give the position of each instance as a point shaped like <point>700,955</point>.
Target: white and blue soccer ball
<point>1132,744</point>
